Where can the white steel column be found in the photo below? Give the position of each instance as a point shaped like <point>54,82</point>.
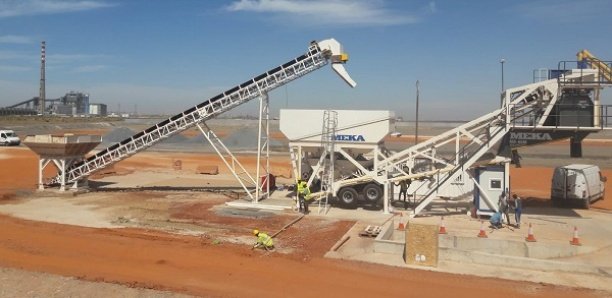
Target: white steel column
<point>62,167</point>
<point>299,167</point>
<point>507,177</point>
<point>386,195</point>
<point>42,164</point>
<point>596,108</point>
<point>267,112</point>
<point>264,116</point>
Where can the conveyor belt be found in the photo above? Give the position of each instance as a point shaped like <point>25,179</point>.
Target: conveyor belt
<point>315,58</point>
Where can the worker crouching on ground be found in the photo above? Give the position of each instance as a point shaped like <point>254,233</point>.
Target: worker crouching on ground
<point>303,195</point>
<point>263,240</point>
<point>496,220</point>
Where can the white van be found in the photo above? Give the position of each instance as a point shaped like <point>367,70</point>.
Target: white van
<point>577,183</point>
<point>8,137</point>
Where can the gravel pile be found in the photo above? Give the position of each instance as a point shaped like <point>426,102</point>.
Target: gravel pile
<point>117,135</point>
<point>244,138</point>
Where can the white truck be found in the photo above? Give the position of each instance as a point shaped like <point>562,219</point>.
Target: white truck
<point>577,183</point>
<point>8,138</point>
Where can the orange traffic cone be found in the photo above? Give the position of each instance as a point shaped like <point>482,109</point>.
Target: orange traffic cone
<point>442,226</point>
<point>575,240</point>
<point>401,226</point>
<point>530,237</point>
<point>482,233</point>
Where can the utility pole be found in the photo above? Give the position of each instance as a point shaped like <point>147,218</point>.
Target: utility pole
<point>416,126</point>
<point>41,95</point>
<point>502,61</point>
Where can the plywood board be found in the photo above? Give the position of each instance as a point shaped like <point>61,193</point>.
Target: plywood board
<point>422,244</point>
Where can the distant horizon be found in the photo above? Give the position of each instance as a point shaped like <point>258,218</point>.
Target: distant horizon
<point>165,57</point>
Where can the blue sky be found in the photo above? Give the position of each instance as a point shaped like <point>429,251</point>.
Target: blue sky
<point>166,56</point>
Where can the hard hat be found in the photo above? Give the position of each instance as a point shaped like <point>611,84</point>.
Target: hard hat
<point>255,232</point>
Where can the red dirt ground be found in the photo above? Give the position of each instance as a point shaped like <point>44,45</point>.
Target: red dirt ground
<point>152,259</point>
<point>156,260</point>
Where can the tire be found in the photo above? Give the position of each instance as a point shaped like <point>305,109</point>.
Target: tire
<point>587,203</point>
<point>347,197</point>
<point>372,193</point>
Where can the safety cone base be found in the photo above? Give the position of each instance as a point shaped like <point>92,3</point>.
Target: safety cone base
<point>575,242</point>
<point>401,227</point>
<point>442,230</point>
<point>530,237</point>
<point>482,234</point>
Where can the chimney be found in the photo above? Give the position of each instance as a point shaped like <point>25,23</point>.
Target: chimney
<point>41,98</point>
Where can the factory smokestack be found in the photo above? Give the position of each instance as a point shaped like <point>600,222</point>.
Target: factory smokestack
<point>41,98</point>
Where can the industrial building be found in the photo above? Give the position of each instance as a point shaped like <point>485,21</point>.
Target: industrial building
<point>71,104</point>
<point>98,109</point>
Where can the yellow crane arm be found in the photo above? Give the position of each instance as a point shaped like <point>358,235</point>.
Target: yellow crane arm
<point>594,62</point>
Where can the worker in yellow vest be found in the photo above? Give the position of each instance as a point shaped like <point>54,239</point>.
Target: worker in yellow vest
<point>263,240</point>
<point>303,195</point>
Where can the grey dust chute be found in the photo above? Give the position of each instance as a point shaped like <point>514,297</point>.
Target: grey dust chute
<point>319,54</point>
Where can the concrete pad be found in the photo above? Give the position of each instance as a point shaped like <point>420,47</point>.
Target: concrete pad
<point>59,210</point>
<point>505,254</point>
<point>250,205</point>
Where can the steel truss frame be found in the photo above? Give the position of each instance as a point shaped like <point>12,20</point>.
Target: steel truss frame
<point>253,88</point>
<point>475,141</point>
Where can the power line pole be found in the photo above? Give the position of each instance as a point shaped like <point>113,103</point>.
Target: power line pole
<point>502,61</point>
<point>416,127</point>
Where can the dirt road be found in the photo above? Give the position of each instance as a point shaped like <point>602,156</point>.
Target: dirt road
<point>184,264</point>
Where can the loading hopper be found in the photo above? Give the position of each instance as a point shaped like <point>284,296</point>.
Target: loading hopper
<point>62,146</point>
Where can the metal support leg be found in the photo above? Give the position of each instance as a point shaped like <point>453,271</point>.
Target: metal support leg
<point>63,171</point>
<point>264,116</point>
<point>217,145</point>
<point>386,197</point>
<point>42,164</point>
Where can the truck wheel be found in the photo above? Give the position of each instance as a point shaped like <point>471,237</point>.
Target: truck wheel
<point>587,203</point>
<point>372,193</point>
<point>347,196</point>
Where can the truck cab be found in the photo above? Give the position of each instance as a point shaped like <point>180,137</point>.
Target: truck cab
<point>8,138</point>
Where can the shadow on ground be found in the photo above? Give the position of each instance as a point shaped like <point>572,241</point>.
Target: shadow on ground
<point>543,206</point>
